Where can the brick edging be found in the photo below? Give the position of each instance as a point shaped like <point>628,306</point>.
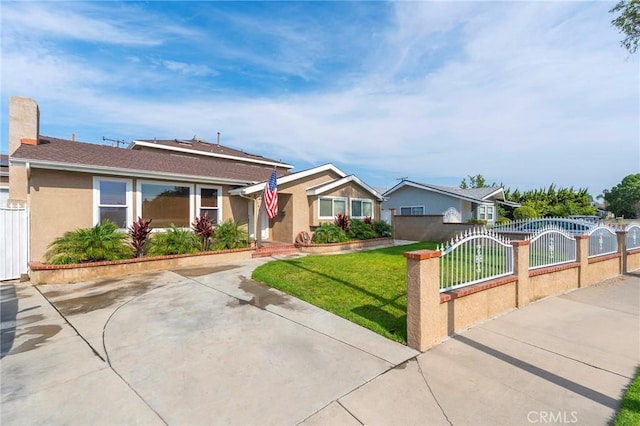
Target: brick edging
<point>604,258</point>
<point>37,266</point>
<point>554,268</point>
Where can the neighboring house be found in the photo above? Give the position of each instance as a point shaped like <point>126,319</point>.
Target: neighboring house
<point>70,184</point>
<point>457,205</point>
<point>4,179</point>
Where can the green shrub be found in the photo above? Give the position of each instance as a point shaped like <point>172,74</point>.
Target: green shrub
<point>174,241</point>
<point>525,212</point>
<point>102,242</point>
<point>382,229</point>
<point>329,233</point>
<point>477,222</point>
<point>503,220</point>
<point>359,230</point>
<point>230,235</point>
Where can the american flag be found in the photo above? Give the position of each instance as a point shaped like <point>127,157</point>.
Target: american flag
<point>271,196</point>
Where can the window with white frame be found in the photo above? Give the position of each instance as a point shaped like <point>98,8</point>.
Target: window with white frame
<point>412,211</point>
<point>330,207</point>
<point>485,212</point>
<point>209,200</point>
<point>112,200</point>
<point>361,208</point>
<point>166,203</point>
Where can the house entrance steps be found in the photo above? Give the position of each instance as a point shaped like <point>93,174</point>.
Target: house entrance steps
<point>276,248</point>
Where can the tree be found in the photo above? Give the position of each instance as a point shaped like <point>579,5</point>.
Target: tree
<point>624,198</point>
<point>628,23</point>
<point>476,181</point>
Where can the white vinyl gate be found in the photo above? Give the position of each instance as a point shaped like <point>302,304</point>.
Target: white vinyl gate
<point>14,242</point>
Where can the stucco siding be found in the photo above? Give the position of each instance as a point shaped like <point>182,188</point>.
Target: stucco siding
<point>60,202</point>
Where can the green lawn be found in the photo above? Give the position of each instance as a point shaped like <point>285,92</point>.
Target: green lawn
<point>368,287</point>
<point>629,411</point>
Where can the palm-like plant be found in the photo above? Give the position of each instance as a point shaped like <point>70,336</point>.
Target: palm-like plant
<point>174,241</point>
<point>102,242</point>
<point>230,235</point>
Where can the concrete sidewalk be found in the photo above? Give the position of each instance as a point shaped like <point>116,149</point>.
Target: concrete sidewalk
<point>562,360</point>
<point>211,346</point>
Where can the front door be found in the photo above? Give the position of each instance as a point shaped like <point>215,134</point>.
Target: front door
<point>264,224</point>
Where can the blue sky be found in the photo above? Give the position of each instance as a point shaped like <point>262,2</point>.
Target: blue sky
<point>524,93</point>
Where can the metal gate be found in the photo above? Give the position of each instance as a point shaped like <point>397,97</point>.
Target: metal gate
<point>14,242</point>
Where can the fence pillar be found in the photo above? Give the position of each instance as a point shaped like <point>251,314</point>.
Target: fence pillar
<point>423,298</point>
<point>582,257</point>
<point>622,249</point>
<point>521,270</point>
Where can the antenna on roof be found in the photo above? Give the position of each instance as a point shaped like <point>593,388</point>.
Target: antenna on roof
<point>218,138</point>
<point>117,141</point>
<point>402,179</point>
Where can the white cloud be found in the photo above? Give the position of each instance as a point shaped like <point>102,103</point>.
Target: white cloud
<point>526,94</point>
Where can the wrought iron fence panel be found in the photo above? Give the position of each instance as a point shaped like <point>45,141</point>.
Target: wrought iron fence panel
<point>602,240</point>
<point>551,246</point>
<point>472,257</point>
<point>533,226</point>
<point>633,235</point>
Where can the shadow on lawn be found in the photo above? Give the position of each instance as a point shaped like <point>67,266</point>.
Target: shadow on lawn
<point>395,325</point>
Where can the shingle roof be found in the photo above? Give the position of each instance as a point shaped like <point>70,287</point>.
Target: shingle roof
<point>64,151</point>
<point>474,194</point>
<point>204,146</point>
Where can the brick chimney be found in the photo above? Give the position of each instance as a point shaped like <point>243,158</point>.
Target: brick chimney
<point>24,127</point>
<point>24,122</point>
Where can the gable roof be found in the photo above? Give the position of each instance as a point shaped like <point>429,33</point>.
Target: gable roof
<point>325,187</point>
<point>292,177</point>
<point>475,195</point>
<point>62,154</point>
<point>204,148</point>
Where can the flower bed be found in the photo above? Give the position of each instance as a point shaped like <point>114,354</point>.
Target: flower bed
<point>63,274</point>
<point>348,245</point>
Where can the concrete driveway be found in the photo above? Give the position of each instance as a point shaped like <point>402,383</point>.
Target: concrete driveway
<point>201,346</point>
<point>210,346</point>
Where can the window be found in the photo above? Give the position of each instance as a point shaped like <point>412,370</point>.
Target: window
<point>485,212</point>
<point>331,207</point>
<point>412,211</point>
<point>112,199</point>
<point>361,208</point>
<point>166,203</point>
<point>209,199</point>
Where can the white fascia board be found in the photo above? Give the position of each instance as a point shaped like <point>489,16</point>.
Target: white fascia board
<point>289,178</point>
<point>496,192</point>
<point>339,182</point>
<point>209,154</point>
<point>114,171</point>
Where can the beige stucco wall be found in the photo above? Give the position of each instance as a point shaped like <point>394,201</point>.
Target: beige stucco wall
<point>24,123</point>
<point>296,206</point>
<point>462,312</point>
<point>553,283</point>
<point>598,270</point>
<point>633,260</point>
<point>59,202</point>
<point>350,190</point>
<point>63,201</point>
